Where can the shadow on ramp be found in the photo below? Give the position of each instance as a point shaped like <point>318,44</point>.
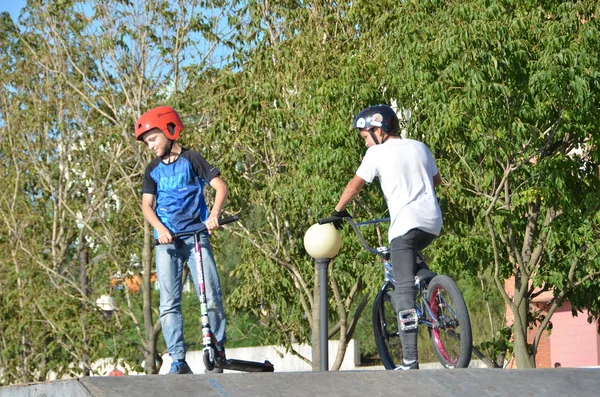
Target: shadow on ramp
<point>464,383</point>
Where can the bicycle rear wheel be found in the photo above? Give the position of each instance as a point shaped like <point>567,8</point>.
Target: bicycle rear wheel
<point>452,340</point>
<point>385,329</point>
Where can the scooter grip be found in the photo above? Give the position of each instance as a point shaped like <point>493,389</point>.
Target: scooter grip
<point>229,219</point>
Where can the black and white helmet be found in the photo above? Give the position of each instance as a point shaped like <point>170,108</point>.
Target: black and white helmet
<point>381,116</point>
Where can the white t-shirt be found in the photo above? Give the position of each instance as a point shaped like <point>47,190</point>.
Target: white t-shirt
<point>405,169</point>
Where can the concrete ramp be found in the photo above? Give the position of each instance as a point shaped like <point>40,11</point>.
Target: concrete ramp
<point>464,383</point>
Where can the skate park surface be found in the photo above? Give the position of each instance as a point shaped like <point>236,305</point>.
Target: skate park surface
<point>439,382</point>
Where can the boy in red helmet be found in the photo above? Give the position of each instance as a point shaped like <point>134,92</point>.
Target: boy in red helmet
<point>175,179</point>
<point>408,176</point>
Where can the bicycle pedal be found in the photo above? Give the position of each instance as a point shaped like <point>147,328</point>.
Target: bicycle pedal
<point>408,319</point>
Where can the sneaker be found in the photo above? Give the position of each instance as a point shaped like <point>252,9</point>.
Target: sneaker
<point>180,368</point>
<point>403,366</point>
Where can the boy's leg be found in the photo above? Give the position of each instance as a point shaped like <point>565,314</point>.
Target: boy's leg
<point>423,270</point>
<point>404,263</point>
<point>212,285</point>
<point>169,268</point>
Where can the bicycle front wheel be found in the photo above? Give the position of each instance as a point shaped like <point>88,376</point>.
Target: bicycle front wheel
<point>452,339</point>
<point>385,329</point>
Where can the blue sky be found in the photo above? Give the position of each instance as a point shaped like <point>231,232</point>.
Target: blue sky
<point>13,7</point>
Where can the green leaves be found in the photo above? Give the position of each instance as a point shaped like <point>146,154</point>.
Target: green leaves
<point>507,95</point>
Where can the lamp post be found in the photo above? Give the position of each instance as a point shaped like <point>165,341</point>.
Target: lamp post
<point>322,242</point>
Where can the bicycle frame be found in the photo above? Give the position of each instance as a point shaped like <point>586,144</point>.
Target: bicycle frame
<point>422,305</point>
<point>436,312</point>
<point>424,313</point>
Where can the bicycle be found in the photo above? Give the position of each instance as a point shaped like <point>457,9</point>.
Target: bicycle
<point>439,306</point>
<point>213,354</point>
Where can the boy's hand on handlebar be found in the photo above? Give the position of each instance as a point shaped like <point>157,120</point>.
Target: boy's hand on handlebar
<point>212,224</point>
<point>164,236</point>
<point>340,214</point>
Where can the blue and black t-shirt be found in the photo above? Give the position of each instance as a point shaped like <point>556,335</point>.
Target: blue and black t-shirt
<point>178,188</point>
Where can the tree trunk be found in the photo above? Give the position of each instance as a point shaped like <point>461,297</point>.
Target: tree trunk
<point>342,347</point>
<point>150,342</point>
<point>23,370</point>
<point>83,279</point>
<point>523,357</point>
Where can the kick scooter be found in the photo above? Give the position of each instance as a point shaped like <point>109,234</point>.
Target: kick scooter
<point>213,354</point>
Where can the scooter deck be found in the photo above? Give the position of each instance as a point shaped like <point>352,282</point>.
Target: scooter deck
<point>247,366</point>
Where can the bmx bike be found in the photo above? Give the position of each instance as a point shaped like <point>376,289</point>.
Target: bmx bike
<point>439,306</point>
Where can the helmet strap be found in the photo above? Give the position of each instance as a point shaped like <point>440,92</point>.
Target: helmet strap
<point>373,137</point>
<point>167,154</point>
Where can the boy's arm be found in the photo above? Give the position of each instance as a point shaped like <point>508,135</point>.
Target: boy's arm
<point>352,190</point>
<point>437,179</point>
<point>164,236</point>
<point>220,196</point>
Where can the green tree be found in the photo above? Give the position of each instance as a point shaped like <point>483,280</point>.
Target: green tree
<point>48,254</point>
<point>83,72</point>
<point>506,93</point>
<point>138,53</point>
<point>278,124</point>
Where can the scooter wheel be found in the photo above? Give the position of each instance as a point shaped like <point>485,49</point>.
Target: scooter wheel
<point>208,363</point>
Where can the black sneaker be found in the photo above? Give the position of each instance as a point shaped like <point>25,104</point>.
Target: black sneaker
<point>180,368</point>
<point>403,367</point>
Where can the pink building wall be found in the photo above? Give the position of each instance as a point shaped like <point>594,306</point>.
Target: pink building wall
<point>573,341</point>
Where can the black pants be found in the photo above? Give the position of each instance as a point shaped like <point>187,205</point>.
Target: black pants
<point>404,263</point>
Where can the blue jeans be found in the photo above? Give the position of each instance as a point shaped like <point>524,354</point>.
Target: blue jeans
<point>170,259</point>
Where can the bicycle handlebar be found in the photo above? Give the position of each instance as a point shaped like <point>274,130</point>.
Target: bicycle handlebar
<point>356,230</point>
<point>222,221</point>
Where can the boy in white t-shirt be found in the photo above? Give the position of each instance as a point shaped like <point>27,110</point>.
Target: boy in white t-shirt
<point>408,175</point>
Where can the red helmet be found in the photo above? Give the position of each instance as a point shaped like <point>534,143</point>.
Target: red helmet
<point>163,117</point>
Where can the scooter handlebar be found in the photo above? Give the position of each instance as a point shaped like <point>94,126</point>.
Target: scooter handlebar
<point>222,221</point>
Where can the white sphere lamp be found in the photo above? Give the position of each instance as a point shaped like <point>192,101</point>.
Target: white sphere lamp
<point>322,241</point>
<point>106,303</point>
